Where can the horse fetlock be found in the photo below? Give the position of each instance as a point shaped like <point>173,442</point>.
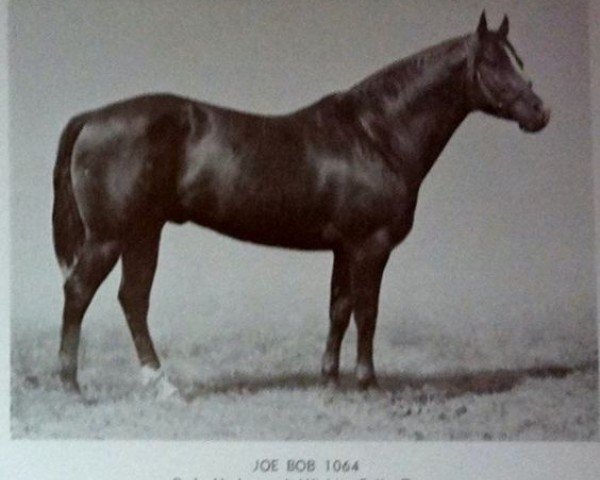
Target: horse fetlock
<point>68,377</point>
<point>150,375</point>
<point>148,358</point>
<point>330,365</point>
<point>67,357</point>
<point>365,376</point>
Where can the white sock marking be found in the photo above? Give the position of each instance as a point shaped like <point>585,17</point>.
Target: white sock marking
<point>158,381</point>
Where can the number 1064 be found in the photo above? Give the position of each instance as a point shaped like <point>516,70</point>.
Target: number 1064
<point>343,466</point>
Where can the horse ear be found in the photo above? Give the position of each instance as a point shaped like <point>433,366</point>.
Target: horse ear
<point>503,30</point>
<point>482,27</point>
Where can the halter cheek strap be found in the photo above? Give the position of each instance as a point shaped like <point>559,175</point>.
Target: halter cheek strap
<point>487,94</point>
<point>477,84</point>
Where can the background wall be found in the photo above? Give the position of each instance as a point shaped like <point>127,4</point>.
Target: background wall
<point>506,214</point>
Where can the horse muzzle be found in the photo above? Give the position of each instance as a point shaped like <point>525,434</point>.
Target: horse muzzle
<point>536,123</point>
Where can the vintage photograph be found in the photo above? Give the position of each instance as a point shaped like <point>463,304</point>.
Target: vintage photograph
<point>312,220</point>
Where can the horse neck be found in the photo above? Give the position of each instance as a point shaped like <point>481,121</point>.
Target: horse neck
<point>411,109</point>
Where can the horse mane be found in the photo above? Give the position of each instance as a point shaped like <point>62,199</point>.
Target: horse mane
<point>407,79</point>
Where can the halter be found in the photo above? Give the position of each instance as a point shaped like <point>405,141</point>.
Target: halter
<point>476,79</point>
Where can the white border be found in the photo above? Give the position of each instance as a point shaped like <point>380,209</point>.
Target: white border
<point>90,460</point>
<point>4,236</point>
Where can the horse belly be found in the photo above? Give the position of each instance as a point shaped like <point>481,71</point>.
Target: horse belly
<point>259,211</point>
<point>273,222</point>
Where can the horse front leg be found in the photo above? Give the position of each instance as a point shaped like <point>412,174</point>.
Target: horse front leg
<point>367,272</point>
<point>340,309</point>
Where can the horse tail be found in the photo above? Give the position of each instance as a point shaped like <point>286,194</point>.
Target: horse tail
<point>67,225</point>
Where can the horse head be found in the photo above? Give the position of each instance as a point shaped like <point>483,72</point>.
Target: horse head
<point>498,84</point>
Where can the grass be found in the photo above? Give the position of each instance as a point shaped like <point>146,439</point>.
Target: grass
<point>256,381</point>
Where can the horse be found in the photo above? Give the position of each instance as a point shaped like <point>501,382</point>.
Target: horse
<point>342,174</point>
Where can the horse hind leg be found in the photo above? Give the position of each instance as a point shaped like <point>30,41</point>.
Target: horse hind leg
<point>139,260</point>
<point>95,260</point>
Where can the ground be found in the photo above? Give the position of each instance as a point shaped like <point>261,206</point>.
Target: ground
<point>263,383</point>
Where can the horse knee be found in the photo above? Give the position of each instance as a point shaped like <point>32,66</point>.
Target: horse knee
<point>340,310</point>
<point>365,315</point>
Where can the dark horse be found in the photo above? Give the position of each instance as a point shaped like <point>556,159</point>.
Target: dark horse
<point>342,174</point>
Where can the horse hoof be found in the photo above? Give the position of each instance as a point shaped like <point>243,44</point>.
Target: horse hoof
<point>331,384</point>
<point>72,388</point>
<point>330,380</point>
<point>157,385</point>
<point>70,384</point>
<point>368,384</point>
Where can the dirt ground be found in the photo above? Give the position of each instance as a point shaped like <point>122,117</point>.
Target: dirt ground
<point>252,383</point>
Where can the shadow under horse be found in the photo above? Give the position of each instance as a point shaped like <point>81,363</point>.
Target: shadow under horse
<point>342,174</point>
<point>441,385</point>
